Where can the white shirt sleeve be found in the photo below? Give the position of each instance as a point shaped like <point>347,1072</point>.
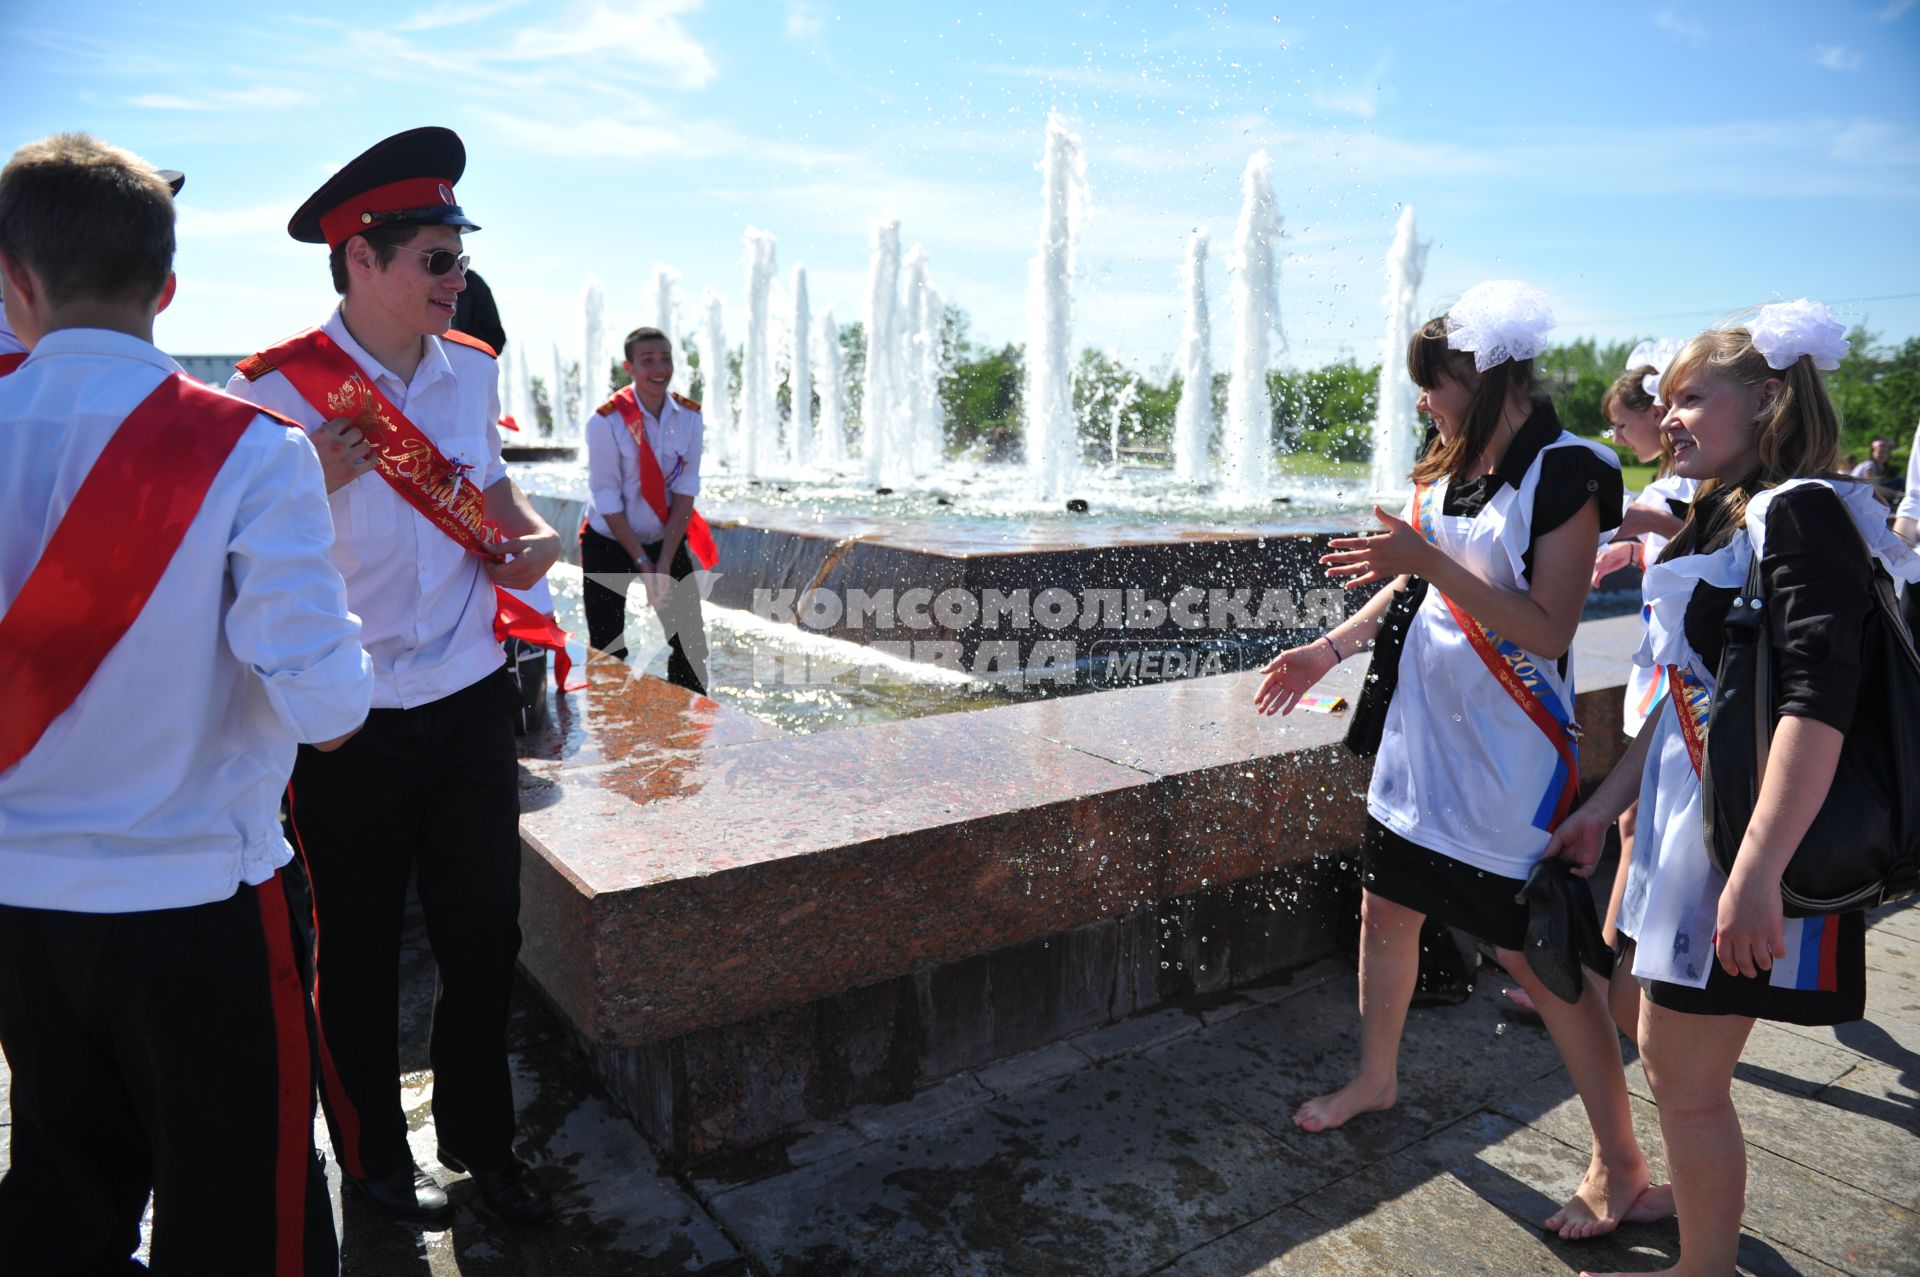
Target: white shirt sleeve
<point>687,482</point>
<point>1910,504</point>
<point>603,468</point>
<point>496,464</point>
<point>1862,471</point>
<point>289,620</point>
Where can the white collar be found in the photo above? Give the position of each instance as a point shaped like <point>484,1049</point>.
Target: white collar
<point>100,341</point>
<point>433,364</point>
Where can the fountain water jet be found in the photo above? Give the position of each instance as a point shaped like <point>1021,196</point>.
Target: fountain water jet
<point>1248,445</point>
<point>1193,422</point>
<point>831,438</point>
<point>716,410</point>
<point>666,317</point>
<point>759,418</point>
<point>880,400</point>
<point>594,366</point>
<point>562,400</point>
<point>800,440</point>
<point>1396,423</point>
<point>1053,446</point>
<point>922,365</point>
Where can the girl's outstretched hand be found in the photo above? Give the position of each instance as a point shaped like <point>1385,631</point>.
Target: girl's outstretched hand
<point>1381,556</point>
<point>1290,674</point>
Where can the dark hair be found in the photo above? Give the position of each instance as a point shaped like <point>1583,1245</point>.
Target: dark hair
<point>1429,360</point>
<point>90,219</point>
<point>1629,391</point>
<point>639,335</point>
<point>384,239</point>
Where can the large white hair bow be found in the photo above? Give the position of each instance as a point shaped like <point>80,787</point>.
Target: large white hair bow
<point>1784,331</point>
<point>1658,352</point>
<point>1499,320</point>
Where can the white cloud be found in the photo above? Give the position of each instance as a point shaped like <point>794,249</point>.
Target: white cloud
<point>1686,28</point>
<point>1836,57</point>
<point>1876,143</point>
<point>805,22</point>
<point>261,98</point>
<point>644,32</point>
<point>198,222</point>
<point>454,14</point>
<point>1362,97</point>
<point>1893,11</point>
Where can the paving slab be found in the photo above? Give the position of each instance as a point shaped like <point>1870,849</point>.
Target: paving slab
<point>1114,1171</point>
<point>1267,1062</point>
<point>1032,1068</point>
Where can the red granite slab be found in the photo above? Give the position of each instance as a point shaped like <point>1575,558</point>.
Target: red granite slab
<point>687,867</point>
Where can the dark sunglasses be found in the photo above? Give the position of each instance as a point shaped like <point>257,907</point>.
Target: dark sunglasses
<point>439,260</point>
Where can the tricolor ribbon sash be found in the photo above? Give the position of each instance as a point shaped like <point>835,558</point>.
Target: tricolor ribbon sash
<point>413,466</point>
<point>1693,702</point>
<point>653,484</point>
<point>108,553</point>
<point>1520,675</point>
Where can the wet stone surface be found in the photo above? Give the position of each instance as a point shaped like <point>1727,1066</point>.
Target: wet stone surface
<point>1175,1154</point>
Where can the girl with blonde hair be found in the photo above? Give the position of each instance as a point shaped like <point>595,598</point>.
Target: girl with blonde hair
<point>1749,416</point>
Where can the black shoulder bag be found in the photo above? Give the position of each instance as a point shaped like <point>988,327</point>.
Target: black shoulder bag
<point>1863,848</point>
<point>1383,671</point>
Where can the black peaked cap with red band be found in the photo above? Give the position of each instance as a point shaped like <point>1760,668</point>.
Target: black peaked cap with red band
<point>407,180</point>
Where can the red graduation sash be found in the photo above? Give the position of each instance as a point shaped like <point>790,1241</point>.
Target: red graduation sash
<point>1694,704</point>
<point>109,551</point>
<point>653,484</point>
<point>1517,672</point>
<point>413,465</point>
<point>11,360</point>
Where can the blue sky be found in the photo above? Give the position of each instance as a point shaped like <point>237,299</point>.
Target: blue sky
<point>1651,165</point>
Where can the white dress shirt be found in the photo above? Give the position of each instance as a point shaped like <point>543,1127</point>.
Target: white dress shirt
<point>9,344</point>
<point>159,787</point>
<point>425,605</point>
<point>613,465</point>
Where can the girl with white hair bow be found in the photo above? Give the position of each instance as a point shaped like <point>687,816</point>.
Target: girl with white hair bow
<point>1477,758</point>
<point>1750,418</point>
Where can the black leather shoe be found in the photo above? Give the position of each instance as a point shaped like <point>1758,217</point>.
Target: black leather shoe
<point>514,1192</point>
<point>407,1193</point>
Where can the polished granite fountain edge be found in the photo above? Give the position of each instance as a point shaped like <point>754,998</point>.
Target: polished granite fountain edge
<point>772,560</point>
<point>689,870</point>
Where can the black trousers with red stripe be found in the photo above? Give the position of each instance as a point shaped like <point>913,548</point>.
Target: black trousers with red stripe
<point>168,1051</point>
<point>606,609</point>
<point>431,791</point>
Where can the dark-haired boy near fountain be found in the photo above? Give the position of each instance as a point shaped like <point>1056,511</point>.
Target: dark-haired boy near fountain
<point>170,626</point>
<point>643,473</point>
<point>431,787</point>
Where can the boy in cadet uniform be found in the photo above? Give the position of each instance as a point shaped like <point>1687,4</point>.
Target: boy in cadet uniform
<point>643,471</point>
<point>170,626</point>
<point>426,526</point>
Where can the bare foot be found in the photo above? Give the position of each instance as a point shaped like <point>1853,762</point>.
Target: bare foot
<point>1654,1204</point>
<point>1601,1202</point>
<point>1521,999</point>
<point>1326,1112</point>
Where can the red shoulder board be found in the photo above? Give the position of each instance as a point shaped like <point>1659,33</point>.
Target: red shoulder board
<point>459,338</point>
<point>288,422</point>
<point>610,408</point>
<point>691,405</point>
<point>254,367</point>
